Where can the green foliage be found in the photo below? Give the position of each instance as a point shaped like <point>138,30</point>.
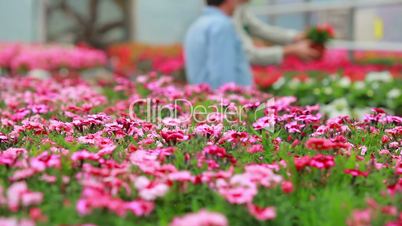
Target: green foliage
<point>360,96</point>
<point>319,36</point>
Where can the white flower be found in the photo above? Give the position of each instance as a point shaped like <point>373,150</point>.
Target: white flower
<point>370,93</point>
<point>328,90</point>
<point>338,107</point>
<point>384,76</point>
<point>293,84</point>
<point>333,77</point>
<point>394,93</point>
<point>345,82</point>
<point>317,91</point>
<point>359,113</point>
<point>376,85</point>
<point>340,104</point>
<point>359,85</point>
<point>39,74</point>
<point>326,81</point>
<point>309,81</point>
<point>278,84</point>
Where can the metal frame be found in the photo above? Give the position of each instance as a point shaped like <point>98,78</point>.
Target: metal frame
<point>308,6</point>
<point>319,6</point>
<point>42,18</point>
<point>384,46</point>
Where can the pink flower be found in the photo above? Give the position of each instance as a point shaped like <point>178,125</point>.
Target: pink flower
<point>107,150</point>
<point>22,174</point>
<point>16,222</point>
<point>287,187</point>
<point>239,190</point>
<point>394,145</point>
<point>10,156</point>
<point>18,194</point>
<point>255,149</point>
<point>209,130</point>
<point>294,127</point>
<point>384,152</point>
<point>360,218</point>
<point>181,176</point>
<point>31,198</point>
<point>140,207</point>
<point>3,138</point>
<point>262,174</point>
<point>150,190</point>
<point>14,193</point>
<point>262,214</point>
<point>83,207</point>
<point>84,155</point>
<point>267,122</point>
<point>146,161</point>
<point>201,218</point>
<point>363,150</point>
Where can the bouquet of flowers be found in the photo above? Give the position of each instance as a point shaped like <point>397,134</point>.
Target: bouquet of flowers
<point>319,36</point>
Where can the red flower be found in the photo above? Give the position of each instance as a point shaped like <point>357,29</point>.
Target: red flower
<point>395,188</point>
<point>356,173</point>
<point>328,29</point>
<point>262,214</point>
<point>390,210</point>
<point>378,111</point>
<point>173,136</point>
<point>399,168</point>
<point>322,162</point>
<point>301,162</point>
<point>385,139</point>
<point>36,214</point>
<point>319,144</point>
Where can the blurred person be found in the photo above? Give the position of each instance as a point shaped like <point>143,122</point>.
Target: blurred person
<point>213,50</point>
<point>288,42</point>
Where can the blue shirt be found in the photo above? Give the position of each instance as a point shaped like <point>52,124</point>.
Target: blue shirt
<point>214,53</point>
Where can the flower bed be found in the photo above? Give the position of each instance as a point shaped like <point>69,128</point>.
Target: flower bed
<point>142,58</point>
<point>340,95</point>
<point>335,82</point>
<point>19,58</point>
<point>131,58</point>
<point>152,152</point>
<point>334,62</point>
<point>378,57</point>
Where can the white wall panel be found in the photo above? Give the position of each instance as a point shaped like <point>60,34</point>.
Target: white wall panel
<point>164,21</point>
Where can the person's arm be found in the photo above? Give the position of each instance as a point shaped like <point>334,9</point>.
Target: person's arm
<point>221,63</point>
<point>256,55</point>
<point>266,32</point>
<point>274,55</point>
<point>265,56</point>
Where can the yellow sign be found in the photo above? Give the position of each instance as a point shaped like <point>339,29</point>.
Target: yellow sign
<point>378,28</point>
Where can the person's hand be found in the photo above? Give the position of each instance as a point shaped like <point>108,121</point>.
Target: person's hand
<point>300,37</point>
<point>302,49</point>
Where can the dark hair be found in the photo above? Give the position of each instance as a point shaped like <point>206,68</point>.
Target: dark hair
<point>215,2</point>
